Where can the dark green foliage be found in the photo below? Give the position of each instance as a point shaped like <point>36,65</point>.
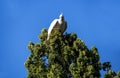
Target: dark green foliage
<point>68,57</point>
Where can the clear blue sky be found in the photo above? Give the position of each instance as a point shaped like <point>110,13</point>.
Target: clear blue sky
<point>97,22</point>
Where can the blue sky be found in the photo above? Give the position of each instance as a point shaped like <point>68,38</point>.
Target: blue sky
<point>96,22</point>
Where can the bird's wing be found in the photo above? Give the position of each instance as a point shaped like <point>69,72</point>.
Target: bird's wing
<point>63,26</point>
<point>52,25</point>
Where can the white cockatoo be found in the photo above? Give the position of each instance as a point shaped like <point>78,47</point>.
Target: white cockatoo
<point>59,24</point>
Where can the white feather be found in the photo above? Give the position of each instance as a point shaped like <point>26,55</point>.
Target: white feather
<point>57,23</point>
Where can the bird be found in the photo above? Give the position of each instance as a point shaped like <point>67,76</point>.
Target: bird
<point>60,24</point>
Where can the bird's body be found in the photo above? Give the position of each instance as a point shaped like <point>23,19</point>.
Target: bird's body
<point>57,23</point>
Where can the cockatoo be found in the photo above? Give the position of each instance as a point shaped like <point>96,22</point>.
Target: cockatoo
<point>59,24</point>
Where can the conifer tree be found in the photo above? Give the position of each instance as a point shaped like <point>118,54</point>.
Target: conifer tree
<point>65,56</point>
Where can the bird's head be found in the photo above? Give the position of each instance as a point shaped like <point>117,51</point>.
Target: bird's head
<point>61,16</point>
